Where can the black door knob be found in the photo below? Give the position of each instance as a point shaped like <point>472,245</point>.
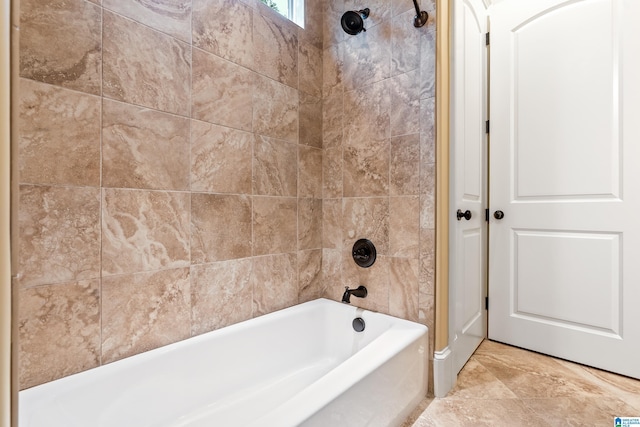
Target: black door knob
<point>466,214</point>
<point>498,214</point>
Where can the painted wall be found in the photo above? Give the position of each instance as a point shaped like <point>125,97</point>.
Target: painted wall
<point>188,167</point>
<point>379,156</point>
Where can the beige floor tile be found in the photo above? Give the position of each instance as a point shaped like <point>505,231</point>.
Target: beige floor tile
<point>508,386</point>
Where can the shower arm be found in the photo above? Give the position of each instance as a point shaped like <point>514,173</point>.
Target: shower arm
<point>421,16</point>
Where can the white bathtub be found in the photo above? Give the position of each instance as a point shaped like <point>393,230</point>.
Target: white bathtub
<point>304,365</point>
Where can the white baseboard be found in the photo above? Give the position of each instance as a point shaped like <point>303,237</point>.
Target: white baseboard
<point>444,377</point>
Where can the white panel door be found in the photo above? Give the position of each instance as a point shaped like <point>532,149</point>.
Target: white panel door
<point>564,268</point>
<point>468,181</point>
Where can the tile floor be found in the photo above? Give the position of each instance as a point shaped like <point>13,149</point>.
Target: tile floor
<point>508,386</point>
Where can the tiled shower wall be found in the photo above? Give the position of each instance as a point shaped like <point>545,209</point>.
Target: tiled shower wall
<point>170,158</point>
<point>378,161</point>
<point>171,162</point>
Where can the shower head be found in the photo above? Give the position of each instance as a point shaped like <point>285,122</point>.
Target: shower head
<point>421,16</point>
<point>353,21</point>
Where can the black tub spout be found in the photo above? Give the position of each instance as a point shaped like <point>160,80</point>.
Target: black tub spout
<point>360,292</point>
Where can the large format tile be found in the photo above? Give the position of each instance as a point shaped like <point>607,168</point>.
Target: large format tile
<point>579,410</point>
<point>310,120</point>
<point>275,110</point>
<point>144,230</point>
<point>61,43</point>
<point>220,227</point>
<point>309,172</point>
<point>310,283</point>
<point>274,225</point>
<point>403,288</point>
<point>404,173</point>
<point>225,28</point>
<point>59,136</point>
<point>275,171</point>
<point>366,218</point>
<point>59,234</point>
<point>221,159</point>
<point>59,331</point>
<point>144,148</point>
<point>221,294</point>
<point>477,412</point>
<point>309,224</point>
<point>145,67</point>
<point>171,17</point>
<point>144,311</point>
<point>274,280</point>
<point>276,50</point>
<point>504,385</point>
<point>532,375</point>
<point>477,382</point>
<point>222,91</point>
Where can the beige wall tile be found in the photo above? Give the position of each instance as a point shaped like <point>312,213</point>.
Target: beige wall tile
<point>427,131</point>
<point>405,42</point>
<point>332,223</point>
<point>220,227</point>
<point>428,61</point>
<point>144,231</point>
<point>171,17</point>
<point>367,114</point>
<point>313,17</point>
<point>404,226</point>
<point>309,224</point>
<point>427,262</point>
<point>310,69</point>
<point>275,171</point>
<point>332,33</point>
<point>59,331</point>
<point>309,172</point>
<point>276,50</point>
<point>144,311</point>
<point>221,159</point>
<point>274,225</point>
<point>374,278</point>
<point>225,28</point>
<point>310,283</point>
<point>366,218</point>
<point>332,173</point>
<point>366,170</point>
<point>332,273</point>
<point>59,136</point>
<point>428,196</point>
<point>333,69</point>
<point>404,174</point>
<point>59,234</point>
<point>333,121</point>
<point>222,91</point>
<point>367,57</point>
<point>145,67</point>
<point>403,288</point>
<point>221,294</point>
<point>275,110</point>
<point>405,103</point>
<point>60,43</point>
<point>275,285</point>
<point>143,148</point>
<point>310,120</point>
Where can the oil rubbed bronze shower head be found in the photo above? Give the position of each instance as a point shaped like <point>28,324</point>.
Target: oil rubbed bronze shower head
<point>421,16</point>
<point>353,21</point>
